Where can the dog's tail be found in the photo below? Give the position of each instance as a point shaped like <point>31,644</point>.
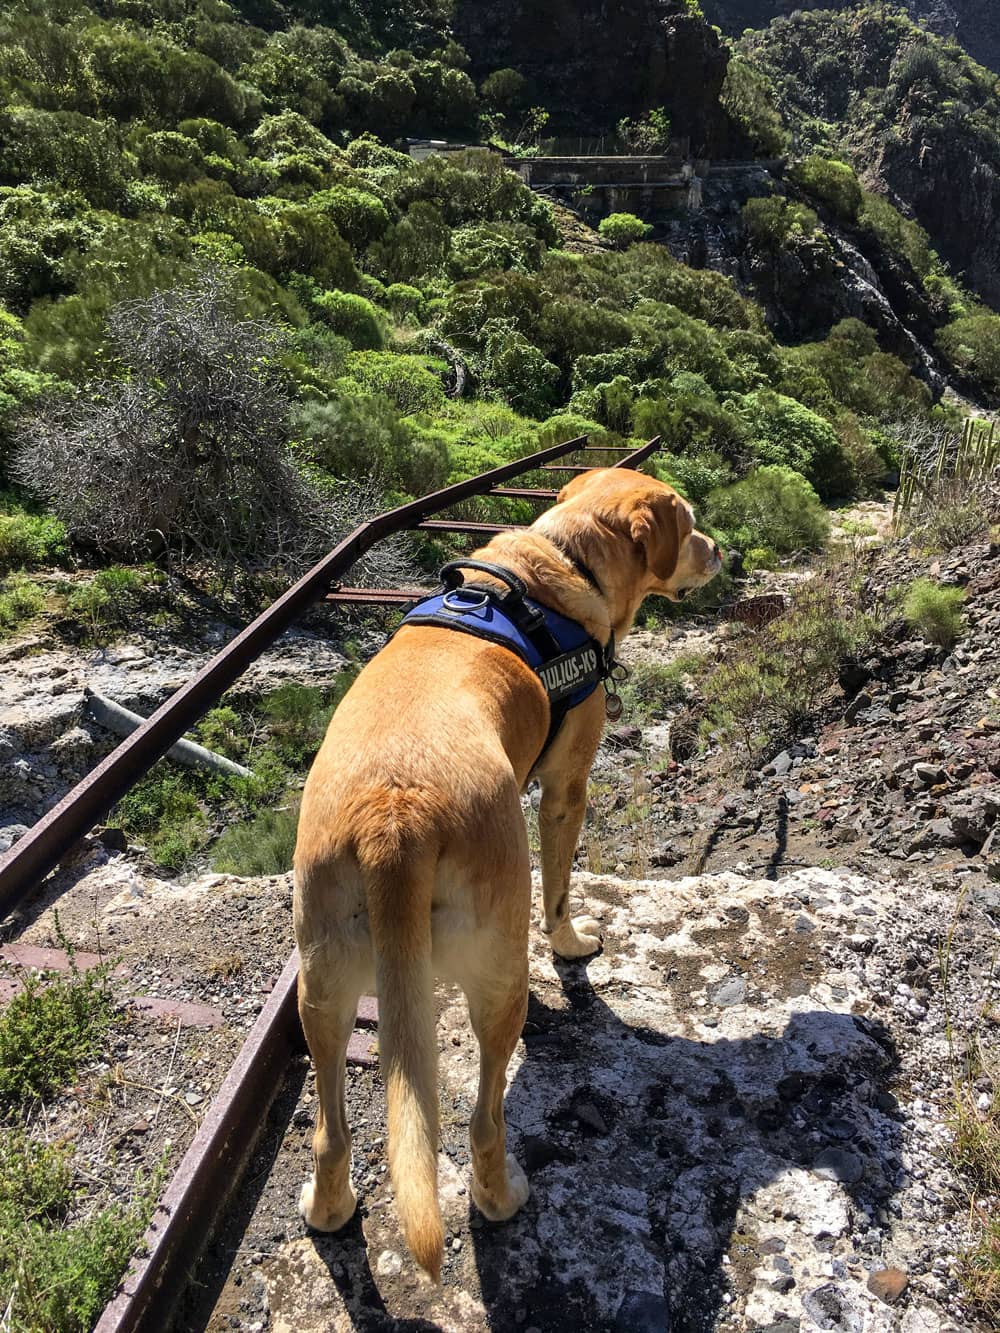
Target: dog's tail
<point>398,887</point>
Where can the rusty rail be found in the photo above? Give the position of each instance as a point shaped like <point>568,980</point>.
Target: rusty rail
<point>212,1167</point>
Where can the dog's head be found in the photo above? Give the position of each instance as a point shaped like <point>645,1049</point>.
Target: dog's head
<point>669,555</point>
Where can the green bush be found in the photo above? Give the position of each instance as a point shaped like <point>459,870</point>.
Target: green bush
<point>49,1029</point>
<point>973,345</point>
<point>483,247</point>
<point>261,846</point>
<point>113,599</point>
<point>775,679</point>
<point>774,508</point>
<point>361,435</point>
<point>781,431</point>
<point>748,96</point>
<point>934,612</point>
<point>359,216</point>
<point>20,600</point>
<point>518,370</point>
<point>405,380</point>
<point>654,689</point>
<point>60,1272</point>
<point>777,222</point>
<point>832,182</point>
<point>898,234</point>
<point>405,301</point>
<point>354,318</point>
<point>165,811</point>
<point>623,229</point>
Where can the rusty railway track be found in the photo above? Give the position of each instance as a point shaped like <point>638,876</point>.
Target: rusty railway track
<point>212,1167</point>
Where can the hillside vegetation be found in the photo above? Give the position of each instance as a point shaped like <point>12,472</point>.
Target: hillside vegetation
<point>917,117</point>
<point>973,23</point>
<point>407,322</point>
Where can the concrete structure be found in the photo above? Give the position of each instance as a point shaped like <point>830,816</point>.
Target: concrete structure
<point>652,187</point>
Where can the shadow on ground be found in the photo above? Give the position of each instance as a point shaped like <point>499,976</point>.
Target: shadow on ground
<point>642,1148</point>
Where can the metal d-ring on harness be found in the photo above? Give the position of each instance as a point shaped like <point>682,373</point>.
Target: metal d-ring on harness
<point>569,662</point>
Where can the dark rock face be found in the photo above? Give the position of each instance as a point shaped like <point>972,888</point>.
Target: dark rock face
<point>591,62</point>
<point>975,23</point>
<point>807,289</point>
<point>930,141</point>
<point>955,194</point>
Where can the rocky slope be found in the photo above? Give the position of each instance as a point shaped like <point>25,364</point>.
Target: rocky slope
<point>903,765</point>
<point>838,273</point>
<point>920,122</point>
<point>974,23</point>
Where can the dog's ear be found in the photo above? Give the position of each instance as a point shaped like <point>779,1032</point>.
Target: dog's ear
<point>655,527</point>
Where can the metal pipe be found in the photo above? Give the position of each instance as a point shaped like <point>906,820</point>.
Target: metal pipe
<point>122,721</point>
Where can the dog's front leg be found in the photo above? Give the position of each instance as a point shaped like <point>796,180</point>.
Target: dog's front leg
<point>563,779</point>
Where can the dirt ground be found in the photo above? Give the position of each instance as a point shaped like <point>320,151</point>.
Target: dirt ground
<point>734,1118</point>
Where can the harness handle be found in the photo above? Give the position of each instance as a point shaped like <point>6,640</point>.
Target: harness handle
<point>451,576</point>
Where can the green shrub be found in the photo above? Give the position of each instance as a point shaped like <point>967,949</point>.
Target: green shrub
<point>776,222</point>
<point>776,678</point>
<point>404,300</point>
<point>164,810</point>
<point>354,318</point>
<point>781,431</point>
<point>748,96</point>
<point>60,1273</point>
<point>359,216</point>
<point>696,476</point>
<point>832,182</point>
<point>934,612</point>
<point>973,345</point>
<point>113,599</point>
<point>518,370</point>
<point>405,380</point>
<point>361,435</point>
<point>20,600</point>
<point>773,508</point>
<point>30,540</point>
<point>483,247</point>
<point>49,1029</point>
<point>261,846</point>
<point>623,229</point>
<point>297,717</point>
<point>898,234</point>
<point>221,730</point>
<point>653,689</point>
<point>506,89</point>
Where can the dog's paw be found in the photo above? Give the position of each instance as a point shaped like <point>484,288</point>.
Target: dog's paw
<point>577,938</point>
<point>498,1206</point>
<point>321,1218</point>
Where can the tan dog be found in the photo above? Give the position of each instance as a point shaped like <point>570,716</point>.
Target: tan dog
<point>412,859</point>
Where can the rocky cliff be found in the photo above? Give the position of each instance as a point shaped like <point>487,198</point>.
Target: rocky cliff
<point>591,62</point>
<point>919,120</point>
<point>836,273</point>
<point>975,23</point>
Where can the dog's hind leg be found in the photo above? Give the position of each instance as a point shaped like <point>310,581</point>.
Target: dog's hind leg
<point>328,1000</point>
<point>499,1186</point>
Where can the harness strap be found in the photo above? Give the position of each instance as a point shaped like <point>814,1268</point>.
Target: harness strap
<point>563,673</point>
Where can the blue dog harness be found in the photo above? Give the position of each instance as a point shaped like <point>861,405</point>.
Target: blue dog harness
<point>568,661</point>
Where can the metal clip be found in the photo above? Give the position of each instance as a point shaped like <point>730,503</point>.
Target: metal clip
<point>460,600</point>
<point>617,675</point>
